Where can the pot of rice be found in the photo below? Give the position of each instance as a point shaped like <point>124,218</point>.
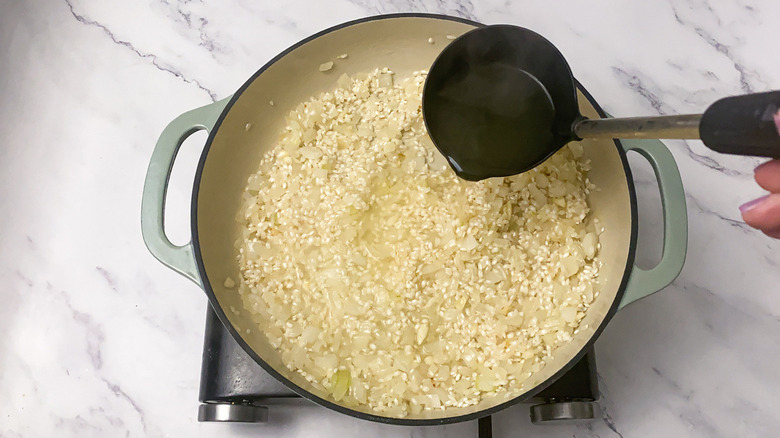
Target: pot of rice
<point>348,260</point>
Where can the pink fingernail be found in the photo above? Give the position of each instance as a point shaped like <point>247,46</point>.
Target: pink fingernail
<point>744,208</point>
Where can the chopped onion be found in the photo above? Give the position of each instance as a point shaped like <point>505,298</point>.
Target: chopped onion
<point>340,386</point>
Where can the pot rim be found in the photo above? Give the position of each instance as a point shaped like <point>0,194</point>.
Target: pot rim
<point>370,416</point>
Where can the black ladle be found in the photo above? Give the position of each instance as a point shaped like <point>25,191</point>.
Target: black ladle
<point>499,100</point>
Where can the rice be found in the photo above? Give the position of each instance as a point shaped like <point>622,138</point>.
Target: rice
<point>387,281</point>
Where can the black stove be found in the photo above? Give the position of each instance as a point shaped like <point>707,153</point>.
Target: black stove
<point>234,388</point>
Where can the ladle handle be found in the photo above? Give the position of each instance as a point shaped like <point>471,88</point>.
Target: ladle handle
<point>739,125</point>
<point>659,127</point>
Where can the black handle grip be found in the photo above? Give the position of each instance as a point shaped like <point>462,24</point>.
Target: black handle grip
<point>743,125</point>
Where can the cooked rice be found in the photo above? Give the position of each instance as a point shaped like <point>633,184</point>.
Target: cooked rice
<point>385,280</point>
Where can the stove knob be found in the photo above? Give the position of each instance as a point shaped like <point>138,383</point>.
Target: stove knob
<point>232,413</point>
<point>564,412</point>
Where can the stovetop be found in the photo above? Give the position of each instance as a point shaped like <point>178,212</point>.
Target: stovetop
<point>234,388</point>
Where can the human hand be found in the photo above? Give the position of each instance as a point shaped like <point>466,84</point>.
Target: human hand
<point>764,213</point>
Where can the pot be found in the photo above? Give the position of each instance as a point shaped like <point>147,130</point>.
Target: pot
<point>399,42</point>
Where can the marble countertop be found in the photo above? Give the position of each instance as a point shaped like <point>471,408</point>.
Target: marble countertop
<point>99,339</point>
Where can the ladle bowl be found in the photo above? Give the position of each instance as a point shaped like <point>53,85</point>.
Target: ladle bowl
<point>499,100</point>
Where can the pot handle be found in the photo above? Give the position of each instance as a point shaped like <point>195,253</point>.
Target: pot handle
<point>646,282</point>
<point>179,258</point>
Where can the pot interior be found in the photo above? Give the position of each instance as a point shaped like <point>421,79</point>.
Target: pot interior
<point>233,154</point>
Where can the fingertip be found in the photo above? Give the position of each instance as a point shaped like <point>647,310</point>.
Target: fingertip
<point>775,234</point>
<point>762,213</point>
<point>776,118</point>
<point>767,176</point>
<point>746,207</point>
